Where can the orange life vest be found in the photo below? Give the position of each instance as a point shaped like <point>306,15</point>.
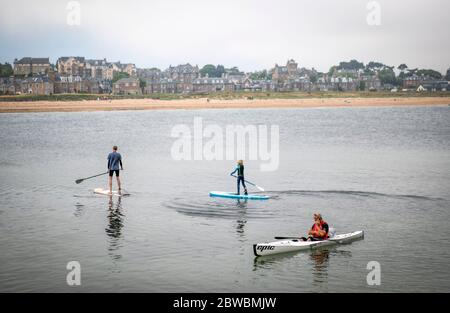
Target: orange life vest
<point>317,228</point>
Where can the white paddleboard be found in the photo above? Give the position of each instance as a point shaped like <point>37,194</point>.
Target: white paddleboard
<point>106,192</point>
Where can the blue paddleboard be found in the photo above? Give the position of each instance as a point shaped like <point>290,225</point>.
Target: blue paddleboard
<point>224,194</point>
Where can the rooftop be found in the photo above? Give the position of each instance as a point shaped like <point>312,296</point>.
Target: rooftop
<point>29,60</point>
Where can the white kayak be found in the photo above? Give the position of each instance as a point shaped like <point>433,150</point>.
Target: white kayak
<point>292,245</point>
<point>105,192</point>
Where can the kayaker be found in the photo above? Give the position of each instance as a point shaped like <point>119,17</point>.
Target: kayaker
<point>319,230</point>
<point>240,177</point>
<point>114,160</point>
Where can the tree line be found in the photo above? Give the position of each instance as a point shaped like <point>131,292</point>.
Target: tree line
<point>385,73</point>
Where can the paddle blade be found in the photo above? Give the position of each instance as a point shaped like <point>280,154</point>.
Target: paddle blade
<point>260,188</point>
<point>79,181</point>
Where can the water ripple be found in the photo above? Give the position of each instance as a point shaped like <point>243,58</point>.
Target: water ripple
<point>353,193</point>
<point>220,208</point>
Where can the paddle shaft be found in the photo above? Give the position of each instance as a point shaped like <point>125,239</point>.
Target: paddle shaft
<point>288,237</point>
<point>250,183</point>
<point>81,179</point>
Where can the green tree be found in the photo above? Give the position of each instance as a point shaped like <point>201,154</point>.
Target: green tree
<point>142,83</point>
<point>234,69</point>
<point>352,65</point>
<point>368,71</point>
<point>447,76</point>
<point>412,72</point>
<point>431,73</point>
<point>6,70</point>
<point>402,67</point>
<point>212,70</point>
<point>119,75</point>
<point>375,66</point>
<point>260,75</point>
<point>362,85</point>
<point>208,69</point>
<point>220,70</point>
<point>332,70</point>
<point>387,76</point>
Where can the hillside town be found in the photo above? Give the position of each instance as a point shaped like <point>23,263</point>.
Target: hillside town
<point>72,75</point>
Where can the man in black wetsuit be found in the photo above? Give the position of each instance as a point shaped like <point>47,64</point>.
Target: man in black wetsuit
<point>240,176</point>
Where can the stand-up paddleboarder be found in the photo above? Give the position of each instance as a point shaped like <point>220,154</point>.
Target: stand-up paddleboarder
<point>240,176</point>
<point>114,160</point>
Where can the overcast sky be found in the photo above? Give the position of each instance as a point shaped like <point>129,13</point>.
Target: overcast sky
<point>250,34</point>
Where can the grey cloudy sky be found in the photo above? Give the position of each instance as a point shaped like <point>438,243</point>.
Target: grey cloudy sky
<point>250,34</point>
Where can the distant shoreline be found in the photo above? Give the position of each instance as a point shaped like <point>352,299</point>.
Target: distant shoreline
<point>204,103</point>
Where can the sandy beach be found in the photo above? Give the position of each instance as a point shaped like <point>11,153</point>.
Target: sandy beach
<point>187,104</point>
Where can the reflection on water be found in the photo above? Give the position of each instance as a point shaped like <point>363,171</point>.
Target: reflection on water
<point>242,210</point>
<point>220,208</point>
<point>320,261</point>
<point>79,210</point>
<point>268,262</point>
<point>114,227</point>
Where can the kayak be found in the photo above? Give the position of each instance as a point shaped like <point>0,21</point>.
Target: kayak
<point>292,245</point>
<point>105,192</point>
<point>224,194</point>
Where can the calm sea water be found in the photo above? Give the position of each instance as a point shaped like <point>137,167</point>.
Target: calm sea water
<point>383,170</point>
